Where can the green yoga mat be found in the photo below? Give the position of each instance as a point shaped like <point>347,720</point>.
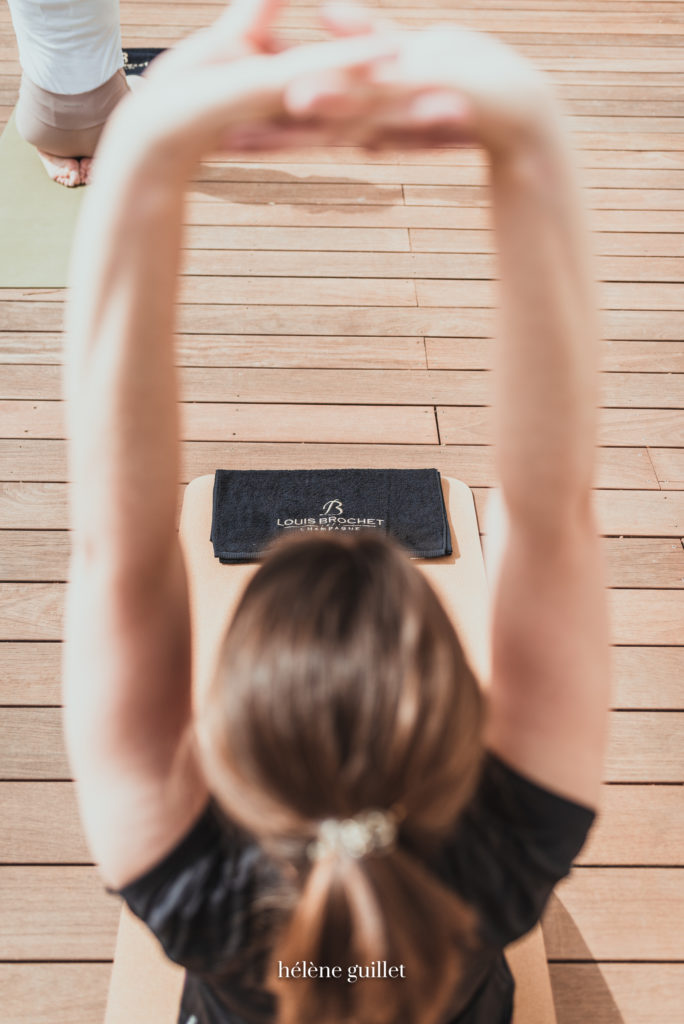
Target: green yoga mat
<point>37,218</point>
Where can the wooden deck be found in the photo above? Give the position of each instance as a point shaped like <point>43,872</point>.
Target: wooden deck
<point>337,311</point>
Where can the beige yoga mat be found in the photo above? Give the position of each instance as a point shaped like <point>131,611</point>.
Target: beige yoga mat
<point>145,987</point>
<point>37,218</point>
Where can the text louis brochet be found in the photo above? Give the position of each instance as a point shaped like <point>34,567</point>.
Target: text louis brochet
<point>354,972</point>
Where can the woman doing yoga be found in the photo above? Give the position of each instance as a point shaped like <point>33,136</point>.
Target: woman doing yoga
<point>346,797</point>
<point>72,78</point>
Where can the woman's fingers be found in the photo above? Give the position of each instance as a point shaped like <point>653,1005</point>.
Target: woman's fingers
<point>350,19</point>
<point>252,21</point>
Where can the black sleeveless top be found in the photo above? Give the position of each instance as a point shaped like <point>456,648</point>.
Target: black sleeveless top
<point>512,844</point>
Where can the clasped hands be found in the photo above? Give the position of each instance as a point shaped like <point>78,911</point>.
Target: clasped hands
<point>236,86</point>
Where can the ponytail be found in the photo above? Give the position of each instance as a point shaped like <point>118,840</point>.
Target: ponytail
<point>363,917</point>
<point>342,687</point>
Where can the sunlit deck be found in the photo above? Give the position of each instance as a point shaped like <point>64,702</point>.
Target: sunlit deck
<point>336,310</point>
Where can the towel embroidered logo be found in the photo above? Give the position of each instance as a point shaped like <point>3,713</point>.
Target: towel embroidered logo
<point>332,519</point>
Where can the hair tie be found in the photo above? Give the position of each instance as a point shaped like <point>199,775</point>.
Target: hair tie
<point>372,831</point>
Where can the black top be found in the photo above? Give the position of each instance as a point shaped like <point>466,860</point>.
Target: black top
<point>512,844</point>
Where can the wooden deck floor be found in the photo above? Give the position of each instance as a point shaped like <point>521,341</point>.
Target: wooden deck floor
<point>336,311</point>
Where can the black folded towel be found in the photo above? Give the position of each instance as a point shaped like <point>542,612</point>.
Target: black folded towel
<point>137,58</point>
<point>252,506</point>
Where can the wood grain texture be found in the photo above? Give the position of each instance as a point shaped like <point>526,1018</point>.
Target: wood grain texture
<point>656,357</point>
<point>466,322</point>
<point>44,461</point>
<point>616,914</point>
<point>360,353</point>
<point>669,466</point>
<point>33,611</point>
<point>57,993</point>
<point>43,556</point>
<point>620,245</point>
<point>62,913</point>
<point>56,913</point>
<point>622,393</point>
<point>645,746</point>
<point>616,427</point>
<point>638,825</point>
<point>617,993</point>
<point>44,824</point>
<point>647,678</point>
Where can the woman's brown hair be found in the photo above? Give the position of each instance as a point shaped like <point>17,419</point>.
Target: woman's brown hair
<point>342,687</point>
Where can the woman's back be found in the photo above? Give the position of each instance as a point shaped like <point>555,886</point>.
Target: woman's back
<point>204,901</point>
<point>65,46</point>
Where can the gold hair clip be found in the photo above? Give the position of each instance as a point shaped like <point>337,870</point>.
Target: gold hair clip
<point>372,831</point>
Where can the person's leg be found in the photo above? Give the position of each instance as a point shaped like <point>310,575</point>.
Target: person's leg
<point>65,129</point>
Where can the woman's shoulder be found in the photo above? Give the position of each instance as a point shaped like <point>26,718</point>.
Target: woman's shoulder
<point>514,841</point>
<point>204,885</point>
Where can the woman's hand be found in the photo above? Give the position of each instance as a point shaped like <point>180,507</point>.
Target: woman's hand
<point>228,86</point>
<point>445,85</point>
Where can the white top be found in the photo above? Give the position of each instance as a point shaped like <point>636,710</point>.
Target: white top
<point>68,46</point>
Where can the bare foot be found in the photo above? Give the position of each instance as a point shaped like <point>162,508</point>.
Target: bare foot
<point>86,163</point>
<point>63,169</point>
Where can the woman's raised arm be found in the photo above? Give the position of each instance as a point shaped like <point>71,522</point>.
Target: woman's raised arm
<point>127,653</point>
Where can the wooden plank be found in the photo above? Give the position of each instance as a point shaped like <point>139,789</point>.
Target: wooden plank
<point>616,914</point>
<point>638,825</point>
<point>669,467</point>
<point>34,506</point>
<point>397,353</point>
<point>309,193</point>
<point>37,555</point>
<point>331,424</point>
<point>612,913</point>
<point>621,356</point>
<point>215,180</point>
<point>43,556</point>
<point>448,387</point>
<point>292,214</point>
<point>656,515</point>
<point>630,189</point>
<point>612,295</point>
<point>30,673</point>
<point>644,616</point>
<point>220,237</point>
<point>635,513</point>
<point>387,291</point>
<point>466,322</point>
<point>452,266</point>
<point>645,746</point>
<point>299,214</point>
<point>638,199</point>
<point>66,993</point>
<point>616,427</point>
<point>641,247</point>
<point>592,151</point>
<point>44,824</point>
<point>644,562</point>
<point>647,678</point>
<point>33,745</point>
<point>56,913</point>
<point>618,993</point>
<point>274,386</point>
<point>529,18</point>
<point>294,291</point>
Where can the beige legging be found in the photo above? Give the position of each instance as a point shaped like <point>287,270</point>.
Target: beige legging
<point>67,125</point>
